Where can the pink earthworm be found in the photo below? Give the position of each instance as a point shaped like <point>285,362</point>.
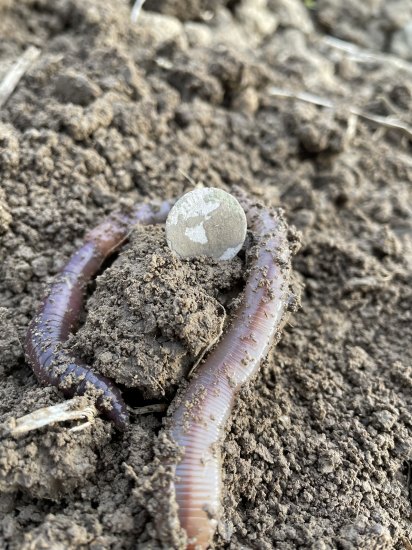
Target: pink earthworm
<point>60,310</point>
<point>198,422</point>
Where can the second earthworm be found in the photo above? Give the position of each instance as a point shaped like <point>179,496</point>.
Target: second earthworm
<point>198,423</point>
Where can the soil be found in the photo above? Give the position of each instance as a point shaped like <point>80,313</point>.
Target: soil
<point>317,453</point>
<point>152,314</point>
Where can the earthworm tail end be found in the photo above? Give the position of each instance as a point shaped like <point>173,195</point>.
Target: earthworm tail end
<point>198,422</point>
<point>60,310</point>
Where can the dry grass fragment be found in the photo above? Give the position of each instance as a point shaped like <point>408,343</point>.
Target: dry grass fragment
<point>137,8</point>
<point>390,122</point>
<point>61,412</point>
<point>16,73</point>
<point>364,55</point>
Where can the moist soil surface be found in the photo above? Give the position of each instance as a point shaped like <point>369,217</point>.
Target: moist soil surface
<point>318,450</point>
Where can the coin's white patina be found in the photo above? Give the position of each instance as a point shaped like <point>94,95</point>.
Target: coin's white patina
<point>206,222</point>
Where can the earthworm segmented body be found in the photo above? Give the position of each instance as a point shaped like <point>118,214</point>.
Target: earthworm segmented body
<point>61,308</point>
<point>198,423</point>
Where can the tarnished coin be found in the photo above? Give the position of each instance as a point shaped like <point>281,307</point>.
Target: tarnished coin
<point>206,222</point>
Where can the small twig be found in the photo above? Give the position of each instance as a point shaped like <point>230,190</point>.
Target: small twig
<point>61,412</point>
<point>148,409</point>
<point>137,8</point>
<point>13,77</point>
<point>362,54</point>
<point>387,122</point>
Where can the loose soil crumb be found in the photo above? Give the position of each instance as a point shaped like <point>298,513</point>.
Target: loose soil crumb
<point>318,447</point>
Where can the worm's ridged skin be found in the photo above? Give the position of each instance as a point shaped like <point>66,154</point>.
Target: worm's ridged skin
<point>199,421</point>
<point>59,313</point>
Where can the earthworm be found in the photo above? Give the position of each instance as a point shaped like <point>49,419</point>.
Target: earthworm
<point>198,422</point>
<point>60,310</point>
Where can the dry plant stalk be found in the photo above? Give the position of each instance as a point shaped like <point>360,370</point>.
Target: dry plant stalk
<point>137,8</point>
<point>70,410</point>
<point>62,412</point>
<point>16,73</point>
<point>392,123</point>
<point>363,55</point>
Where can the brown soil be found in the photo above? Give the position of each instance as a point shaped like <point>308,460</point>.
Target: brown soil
<point>152,314</point>
<point>318,447</point>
